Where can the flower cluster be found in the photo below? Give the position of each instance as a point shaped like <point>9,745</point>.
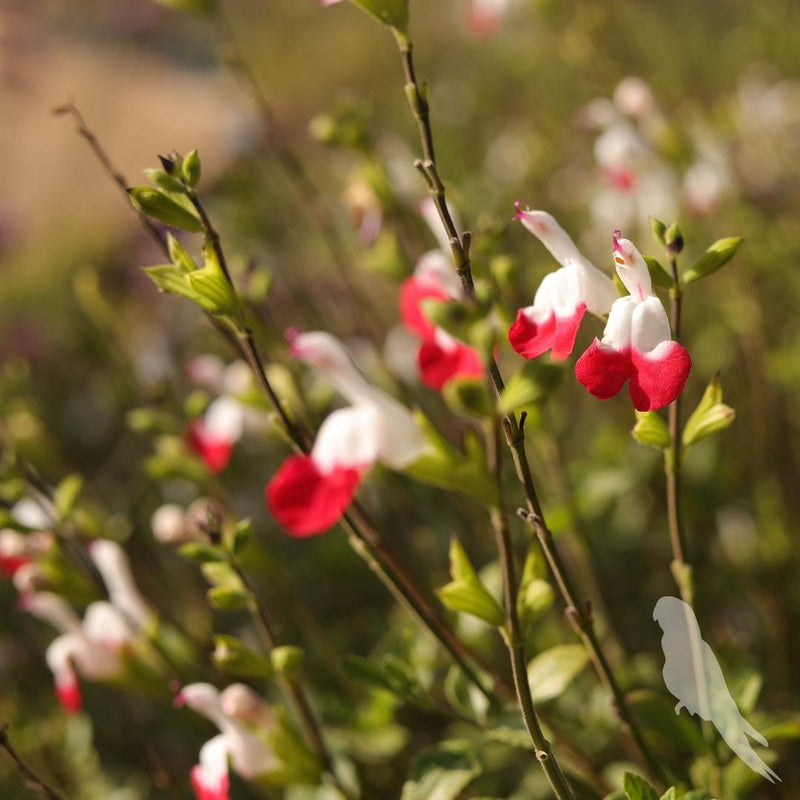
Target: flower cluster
<point>636,347</point>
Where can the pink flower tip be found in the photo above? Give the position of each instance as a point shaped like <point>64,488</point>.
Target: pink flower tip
<point>518,208</point>
<point>616,236</point>
<point>292,335</point>
<point>25,601</point>
<point>179,701</point>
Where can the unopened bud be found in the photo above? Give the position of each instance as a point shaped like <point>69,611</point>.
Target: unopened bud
<point>169,524</point>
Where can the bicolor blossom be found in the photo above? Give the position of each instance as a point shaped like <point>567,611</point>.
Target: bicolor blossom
<point>19,550</point>
<point>92,647</point>
<point>563,297</point>
<point>486,16</point>
<point>441,357</point>
<point>240,715</point>
<point>214,434</point>
<point>309,493</point>
<point>637,345</point>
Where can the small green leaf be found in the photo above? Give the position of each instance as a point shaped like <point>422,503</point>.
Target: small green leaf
<point>529,385</point>
<point>471,599</point>
<point>659,229</point>
<point>710,416</point>
<point>191,168</point>
<point>66,495</point>
<point>287,659</point>
<point>461,568</point>
<point>178,255</point>
<point>658,273</point>
<point>717,256</point>
<point>164,181</point>
<point>670,794</point>
<point>552,671</point>
<point>201,553</point>
<point>228,598</point>
<point>536,597</point>
<point>468,396</point>
<point>463,695</point>
<point>442,773</point>
<point>215,292</point>
<point>239,659</point>
<point>173,280</point>
<point>650,430</point>
<point>154,203</point>
<point>240,536</point>
<point>393,13</point>
<point>637,788</point>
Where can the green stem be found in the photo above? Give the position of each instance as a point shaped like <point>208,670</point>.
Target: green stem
<point>578,612</point>
<point>44,789</point>
<point>513,634</point>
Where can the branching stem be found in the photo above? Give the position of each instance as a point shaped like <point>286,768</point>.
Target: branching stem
<point>44,789</point>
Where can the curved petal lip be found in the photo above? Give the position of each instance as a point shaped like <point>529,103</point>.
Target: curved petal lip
<point>557,334</point>
<point>307,501</point>
<point>438,364</point>
<point>412,293</point>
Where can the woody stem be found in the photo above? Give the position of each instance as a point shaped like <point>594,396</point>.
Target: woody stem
<point>44,789</point>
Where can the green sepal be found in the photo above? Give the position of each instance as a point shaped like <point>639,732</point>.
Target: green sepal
<point>468,396</point>
<point>201,553</point>
<point>154,203</point>
<point>659,229</point>
<point>531,384</point>
<point>650,430</point>
<point>165,181</point>
<point>214,291</point>
<point>239,659</point>
<point>717,256</point>
<point>287,659</point>
<point>179,256</point>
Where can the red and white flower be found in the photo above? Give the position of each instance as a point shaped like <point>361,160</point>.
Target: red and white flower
<point>441,357</point>
<point>637,345</point>
<point>309,493</point>
<point>486,16</point>
<point>92,647</point>
<point>563,297</point>
<point>18,550</point>
<point>240,714</point>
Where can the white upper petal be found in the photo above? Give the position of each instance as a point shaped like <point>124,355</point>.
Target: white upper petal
<point>251,756</point>
<point>37,514</point>
<point>113,564</point>
<point>107,626</point>
<point>435,269</point>
<point>617,333</point>
<point>649,325</point>
<point>224,419</point>
<point>214,761</point>
<point>632,269</point>
<point>559,293</point>
<point>400,439</point>
<point>551,235</point>
<point>349,438</point>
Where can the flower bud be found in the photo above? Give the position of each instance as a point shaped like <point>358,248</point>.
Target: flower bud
<point>169,524</point>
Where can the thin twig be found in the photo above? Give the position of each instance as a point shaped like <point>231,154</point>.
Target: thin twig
<point>513,634</point>
<point>44,789</point>
<point>578,613</point>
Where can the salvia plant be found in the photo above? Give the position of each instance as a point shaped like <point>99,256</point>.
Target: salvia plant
<point>399,531</point>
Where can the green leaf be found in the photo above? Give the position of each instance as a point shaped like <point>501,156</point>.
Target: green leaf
<point>637,788</point>
<point>191,168</point>
<point>239,659</point>
<point>717,256</point>
<point>178,255</point>
<point>66,495</point>
<point>534,598</point>
<point>670,794</point>
<point>214,291</point>
<point>659,273</point>
<point>174,280</point>
<point>393,13</point>
<point>164,181</point>
<point>202,7</point>
<point>202,553</point>
<point>442,773</point>
<point>468,396</point>
<point>154,203</point>
<point>471,599</point>
<point>659,229</point>
<point>228,598</point>
<point>552,671</point>
<point>650,430</point>
<point>287,659</point>
<point>656,714</point>
<point>534,382</point>
<point>461,568</point>
<point>711,415</point>
<point>240,536</point>
<point>463,695</point>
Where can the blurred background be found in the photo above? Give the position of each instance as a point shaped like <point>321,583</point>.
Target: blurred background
<point>600,112</point>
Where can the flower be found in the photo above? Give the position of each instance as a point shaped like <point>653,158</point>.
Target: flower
<point>309,493</point>
<point>636,344</point>
<point>91,647</point>
<point>441,357</point>
<point>18,550</point>
<point>238,712</point>
<point>486,16</point>
<point>563,297</point>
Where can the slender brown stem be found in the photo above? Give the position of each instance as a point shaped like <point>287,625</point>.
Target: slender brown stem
<point>674,456</point>
<point>513,633</point>
<point>44,789</point>
<point>578,612</point>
